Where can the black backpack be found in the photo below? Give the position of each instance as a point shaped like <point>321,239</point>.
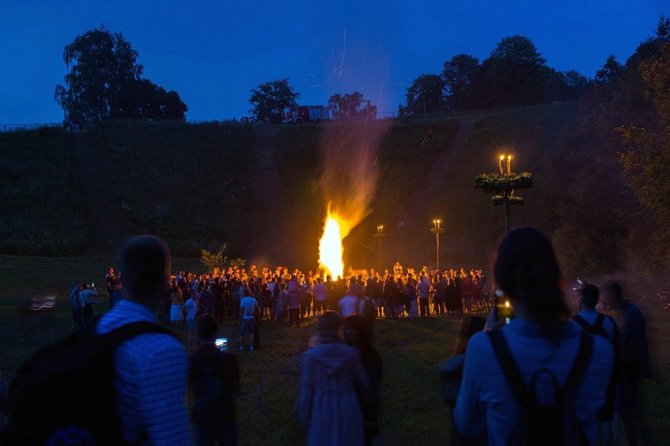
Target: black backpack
<point>597,328</point>
<point>547,425</point>
<point>65,393</point>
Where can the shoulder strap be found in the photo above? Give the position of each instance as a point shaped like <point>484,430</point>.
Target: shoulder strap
<point>599,320</point>
<point>581,322</point>
<point>124,332</point>
<point>578,370</point>
<point>509,367</point>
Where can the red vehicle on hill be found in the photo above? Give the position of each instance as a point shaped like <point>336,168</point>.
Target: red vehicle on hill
<point>306,113</point>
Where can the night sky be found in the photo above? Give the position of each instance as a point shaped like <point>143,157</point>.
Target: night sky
<point>214,52</point>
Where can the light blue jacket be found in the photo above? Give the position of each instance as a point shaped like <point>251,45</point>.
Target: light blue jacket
<point>485,399</point>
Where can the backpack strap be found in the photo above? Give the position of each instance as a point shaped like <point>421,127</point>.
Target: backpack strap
<point>123,333</point>
<point>516,381</point>
<point>510,369</point>
<point>579,367</point>
<point>581,322</point>
<point>599,320</point>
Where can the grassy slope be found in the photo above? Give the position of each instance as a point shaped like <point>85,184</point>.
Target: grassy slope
<point>40,210</point>
<point>193,184</point>
<point>411,412</point>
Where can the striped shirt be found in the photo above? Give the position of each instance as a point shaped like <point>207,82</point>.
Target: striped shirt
<point>151,377</point>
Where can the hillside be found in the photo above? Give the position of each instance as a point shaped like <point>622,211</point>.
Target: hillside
<point>259,188</point>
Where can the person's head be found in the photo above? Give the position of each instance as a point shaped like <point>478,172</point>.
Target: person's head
<point>527,271</point>
<point>145,266</point>
<point>206,328</point>
<point>329,327</point>
<point>589,295</point>
<point>469,326</point>
<point>611,294</point>
<point>357,331</point>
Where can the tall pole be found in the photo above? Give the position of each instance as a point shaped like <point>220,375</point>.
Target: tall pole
<point>503,185</point>
<point>379,235</point>
<point>437,229</point>
<point>506,171</point>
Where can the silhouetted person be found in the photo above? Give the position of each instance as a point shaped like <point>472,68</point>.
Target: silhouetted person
<point>541,346</point>
<point>632,358</point>
<point>214,379</point>
<point>151,369</point>
<point>332,381</point>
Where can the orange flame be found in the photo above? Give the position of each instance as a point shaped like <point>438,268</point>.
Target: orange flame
<point>335,228</point>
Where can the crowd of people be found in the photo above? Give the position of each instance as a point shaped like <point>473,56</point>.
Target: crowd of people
<point>292,296</point>
<point>518,379</point>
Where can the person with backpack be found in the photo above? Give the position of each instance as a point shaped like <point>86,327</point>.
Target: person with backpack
<point>589,319</point>
<point>632,364</point>
<point>121,379</point>
<point>214,379</point>
<point>599,324</point>
<point>538,380</point>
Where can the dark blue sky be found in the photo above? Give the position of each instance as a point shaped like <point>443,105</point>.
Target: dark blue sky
<point>214,52</point>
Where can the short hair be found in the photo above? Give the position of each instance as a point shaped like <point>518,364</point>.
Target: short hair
<point>590,294</point>
<point>145,265</point>
<point>206,327</point>
<point>613,288</point>
<point>328,326</point>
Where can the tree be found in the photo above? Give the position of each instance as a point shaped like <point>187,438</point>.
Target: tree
<point>577,83</point>
<point>518,49</point>
<point>142,99</point>
<point>100,63</point>
<point>647,155</point>
<point>425,95</point>
<point>610,72</point>
<point>514,74</point>
<point>105,81</point>
<point>351,106</point>
<point>271,98</point>
<point>460,75</point>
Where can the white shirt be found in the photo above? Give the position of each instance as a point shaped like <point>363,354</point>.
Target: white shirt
<point>348,305</point>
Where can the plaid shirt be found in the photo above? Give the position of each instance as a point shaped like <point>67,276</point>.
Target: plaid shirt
<point>151,377</point>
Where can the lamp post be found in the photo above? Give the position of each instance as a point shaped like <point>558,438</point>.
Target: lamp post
<point>437,229</point>
<point>379,235</point>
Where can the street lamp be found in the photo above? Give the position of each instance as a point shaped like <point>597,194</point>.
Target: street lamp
<point>437,229</point>
<point>379,235</point>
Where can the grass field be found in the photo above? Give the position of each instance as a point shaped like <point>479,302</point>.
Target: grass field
<point>411,412</point>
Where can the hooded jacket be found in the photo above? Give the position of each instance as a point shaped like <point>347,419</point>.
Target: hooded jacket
<point>332,381</point>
